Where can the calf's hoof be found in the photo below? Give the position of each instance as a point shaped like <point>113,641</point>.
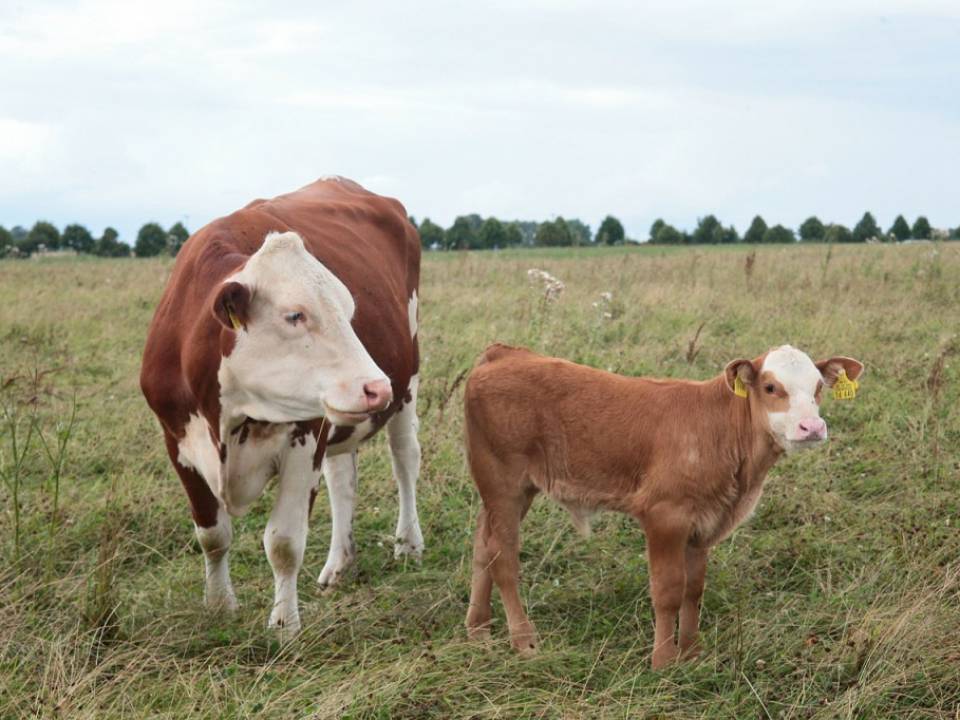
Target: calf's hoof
<point>664,656</point>
<point>478,630</point>
<point>525,640</point>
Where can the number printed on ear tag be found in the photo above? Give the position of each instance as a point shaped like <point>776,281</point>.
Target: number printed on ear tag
<point>844,388</point>
<point>739,389</point>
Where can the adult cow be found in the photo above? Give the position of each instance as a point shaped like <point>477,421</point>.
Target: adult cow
<point>287,335</point>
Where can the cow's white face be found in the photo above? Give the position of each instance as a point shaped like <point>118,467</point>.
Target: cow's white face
<point>296,355</point>
<point>786,387</point>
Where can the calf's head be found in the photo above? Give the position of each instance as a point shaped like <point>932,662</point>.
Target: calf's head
<point>784,388</point>
<point>295,355</point>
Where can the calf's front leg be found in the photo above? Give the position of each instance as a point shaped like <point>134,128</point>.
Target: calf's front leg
<point>285,536</point>
<point>690,608</point>
<point>667,533</point>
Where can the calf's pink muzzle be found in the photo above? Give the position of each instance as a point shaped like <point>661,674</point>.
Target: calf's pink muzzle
<point>812,428</point>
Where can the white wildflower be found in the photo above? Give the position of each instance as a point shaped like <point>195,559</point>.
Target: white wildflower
<point>552,287</point>
<point>603,305</point>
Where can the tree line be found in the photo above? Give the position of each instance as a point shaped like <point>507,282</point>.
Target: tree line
<point>473,232</point>
<point>151,240</point>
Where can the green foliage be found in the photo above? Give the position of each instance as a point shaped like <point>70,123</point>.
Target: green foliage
<point>514,234</point>
<point>462,235</point>
<point>492,234</point>
<point>837,233</point>
<point>668,235</point>
<point>6,241</point>
<point>176,236</point>
<point>431,234</point>
<point>554,233</point>
<point>866,229</point>
<point>43,234</point>
<point>812,230</point>
<point>611,231</point>
<point>955,233</point>
<point>755,233</point>
<point>921,229</point>
<point>78,237</point>
<point>779,234</point>
<point>109,245</point>
<point>900,228</point>
<point>151,241</point>
<point>579,232</point>
<point>655,229</point>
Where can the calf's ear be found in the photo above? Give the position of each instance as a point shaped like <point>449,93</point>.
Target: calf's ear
<point>831,367</point>
<point>743,369</point>
<point>232,305</point>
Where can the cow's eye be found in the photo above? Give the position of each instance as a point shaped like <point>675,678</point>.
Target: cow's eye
<point>771,389</point>
<point>293,317</point>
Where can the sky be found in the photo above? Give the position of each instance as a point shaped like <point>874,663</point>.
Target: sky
<point>123,112</point>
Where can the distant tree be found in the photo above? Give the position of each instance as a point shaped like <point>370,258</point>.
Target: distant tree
<point>430,234</point>
<point>19,234</point>
<point>708,231</point>
<point>462,235</point>
<point>756,231</point>
<point>42,233</point>
<point>779,234</point>
<point>492,234</point>
<point>109,245</point>
<point>668,235</point>
<point>514,234</point>
<point>921,229</point>
<point>866,229</point>
<point>6,241</point>
<point>580,232</point>
<point>837,234</point>
<point>176,236</point>
<point>812,230</point>
<point>729,235</point>
<point>151,240</point>
<point>610,232</point>
<point>413,221</point>
<point>955,233</point>
<point>900,228</point>
<point>655,229</point>
<point>77,237</point>
<point>554,234</point>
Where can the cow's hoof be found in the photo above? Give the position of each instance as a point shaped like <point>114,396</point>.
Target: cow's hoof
<point>221,602</point>
<point>525,641</point>
<point>408,545</point>
<point>665,656</point>
<point>333,574</point>
<point>479,633</point>
<point>286,623</point>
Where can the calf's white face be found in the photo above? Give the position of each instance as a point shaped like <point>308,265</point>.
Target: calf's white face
<point>785,387</point>
<point>296,356</point>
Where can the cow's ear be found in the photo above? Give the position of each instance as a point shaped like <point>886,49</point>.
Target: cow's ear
<point>232,305</point>
<point>740,376</point>
<point>831,367</point>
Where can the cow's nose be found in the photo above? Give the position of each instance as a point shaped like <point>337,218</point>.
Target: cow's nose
<point>813,428</point>
<point>378,394</point>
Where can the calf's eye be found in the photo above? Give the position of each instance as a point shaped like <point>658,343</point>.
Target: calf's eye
<point>294,317</point>
<point>771,389</point>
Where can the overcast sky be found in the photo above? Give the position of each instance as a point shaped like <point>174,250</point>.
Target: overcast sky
<point>120,112</point>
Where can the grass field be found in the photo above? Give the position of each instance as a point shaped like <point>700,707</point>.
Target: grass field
<point>839,599</point>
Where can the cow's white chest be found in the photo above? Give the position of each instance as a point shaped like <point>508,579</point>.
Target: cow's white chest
<point>352,442</point>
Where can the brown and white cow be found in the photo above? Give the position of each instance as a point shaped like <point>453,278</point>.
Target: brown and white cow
<point>286,336</point>
<point>686,459</point>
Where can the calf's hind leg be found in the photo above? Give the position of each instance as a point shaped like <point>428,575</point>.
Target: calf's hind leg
<point>479,612</point>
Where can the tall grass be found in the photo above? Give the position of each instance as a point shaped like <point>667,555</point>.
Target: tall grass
<point>839,599</point>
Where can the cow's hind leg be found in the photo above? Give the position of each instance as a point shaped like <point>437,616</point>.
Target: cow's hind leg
<point>340,474</point>
<point>405,457</point>
<point>213,530</point>
<point>285,537</point>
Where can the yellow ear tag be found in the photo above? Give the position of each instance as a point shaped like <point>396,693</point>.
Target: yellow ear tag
<point>844,388</point>
<point>235,321</point>
<point>739,389</point>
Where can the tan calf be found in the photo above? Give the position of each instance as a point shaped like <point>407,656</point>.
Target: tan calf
<point>686,459</point>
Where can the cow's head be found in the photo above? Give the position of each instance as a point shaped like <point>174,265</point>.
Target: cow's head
<point>784,389</point>
<point>296,355</point>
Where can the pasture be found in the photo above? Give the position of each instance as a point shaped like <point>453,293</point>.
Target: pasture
<point>839,599</point>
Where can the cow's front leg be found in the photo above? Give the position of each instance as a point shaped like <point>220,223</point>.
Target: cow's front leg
<point>215,542</point>
<point>340,473</point>
<point>405,458</point>
<point>286,534</point>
